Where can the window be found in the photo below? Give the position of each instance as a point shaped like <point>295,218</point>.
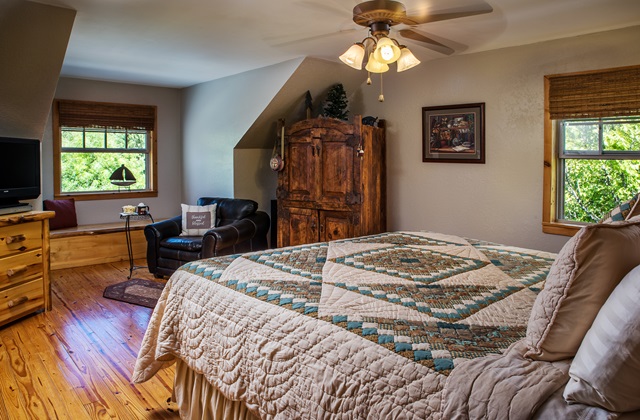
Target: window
<point>599,166</point>
<point>92,140</point>
<point>592,146</point>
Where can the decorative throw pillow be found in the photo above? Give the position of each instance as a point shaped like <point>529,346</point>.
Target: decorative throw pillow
<point>65,213</point>
<point>606,368</point>
<point>624,211</point>
<point>197,220</point>
<point>587,269</point>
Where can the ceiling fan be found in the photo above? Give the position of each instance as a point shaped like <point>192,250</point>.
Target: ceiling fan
<point>380,15</point>
<point>380,50</point>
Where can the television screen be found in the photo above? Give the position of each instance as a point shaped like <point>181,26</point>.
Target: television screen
<point>19,170</point>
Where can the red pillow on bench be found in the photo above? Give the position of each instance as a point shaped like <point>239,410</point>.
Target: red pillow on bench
<point>65,213</point>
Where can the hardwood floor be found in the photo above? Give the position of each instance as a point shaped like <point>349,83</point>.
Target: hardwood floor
<point>75,362</point>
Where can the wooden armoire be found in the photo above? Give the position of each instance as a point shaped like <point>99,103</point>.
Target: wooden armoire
<point>333,185</point>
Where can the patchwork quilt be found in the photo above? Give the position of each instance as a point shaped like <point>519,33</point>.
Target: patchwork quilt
<point>368,327</point>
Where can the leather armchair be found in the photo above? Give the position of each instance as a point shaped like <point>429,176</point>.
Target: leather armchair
<point>240,227</point>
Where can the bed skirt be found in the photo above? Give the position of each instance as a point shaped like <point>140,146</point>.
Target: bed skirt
<point>198,399</point>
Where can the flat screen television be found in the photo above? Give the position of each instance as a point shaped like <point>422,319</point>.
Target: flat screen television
<point>19,170</point>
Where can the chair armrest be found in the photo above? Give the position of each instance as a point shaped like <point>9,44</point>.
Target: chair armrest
<point>156,232</point>
<point>164,229</point>
<point>216,240</point>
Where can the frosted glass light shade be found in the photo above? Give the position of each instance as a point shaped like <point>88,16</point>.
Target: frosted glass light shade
<point>353,56</point>
<point>375,66</point>
<point>386,51</point>
<point>407,60</point>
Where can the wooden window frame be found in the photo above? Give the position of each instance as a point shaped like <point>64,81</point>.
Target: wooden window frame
<point>152,188</point>
<point>608,107</point>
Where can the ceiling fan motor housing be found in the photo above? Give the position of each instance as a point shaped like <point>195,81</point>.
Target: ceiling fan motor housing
<point>388,12</point>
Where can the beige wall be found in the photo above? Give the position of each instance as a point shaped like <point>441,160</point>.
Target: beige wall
<point>215,116</point>
<point>501,200</point>
<point>253,178</point>
<point>168,101</point>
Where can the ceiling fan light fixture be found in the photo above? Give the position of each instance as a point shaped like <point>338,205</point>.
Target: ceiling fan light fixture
<point>354,56</point>
<point>386,51</point>
<point>374,66</point>
<point>407,60</point>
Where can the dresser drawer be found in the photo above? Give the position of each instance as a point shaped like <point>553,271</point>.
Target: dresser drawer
<point>20,268</point>
<point>20,300</point>
<point>20,238</point>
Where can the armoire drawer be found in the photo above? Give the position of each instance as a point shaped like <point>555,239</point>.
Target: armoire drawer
<point>19,268</point>
<point>20,238</point>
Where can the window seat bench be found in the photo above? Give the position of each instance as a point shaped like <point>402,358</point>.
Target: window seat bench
<point>96,244</point>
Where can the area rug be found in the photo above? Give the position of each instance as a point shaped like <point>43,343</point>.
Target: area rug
<point>136,291</point>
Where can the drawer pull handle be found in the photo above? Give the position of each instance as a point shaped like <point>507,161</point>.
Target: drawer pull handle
<point>16,270</point>
<point>17,301</point>
<point>16,238</point>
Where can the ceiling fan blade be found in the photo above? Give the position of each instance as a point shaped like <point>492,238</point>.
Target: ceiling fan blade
<point>428,42</point>
<point>324,7</point>
<point>446,14</point>
<point>314,37</point>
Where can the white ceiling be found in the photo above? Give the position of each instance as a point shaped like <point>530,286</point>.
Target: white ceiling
<point>179,43</point>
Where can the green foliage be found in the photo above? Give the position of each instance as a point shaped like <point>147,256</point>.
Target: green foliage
<point>592,187</point>
<point>85,172</point>
<point>336,104</point>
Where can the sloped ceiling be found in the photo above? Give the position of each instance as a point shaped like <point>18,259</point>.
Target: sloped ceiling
<point>314,75</point>
<point>33,41</point>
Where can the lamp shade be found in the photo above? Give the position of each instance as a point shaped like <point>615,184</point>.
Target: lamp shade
<point>374,66</point>
<point>407,60</point>
<point>353,56</point>
<point>386,51</point>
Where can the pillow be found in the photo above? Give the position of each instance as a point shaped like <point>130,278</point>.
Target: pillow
<point>606,368</point>
<point>624,211</point>
<point>65,213</point>
<point>587,269</point>
<point>197,220</point>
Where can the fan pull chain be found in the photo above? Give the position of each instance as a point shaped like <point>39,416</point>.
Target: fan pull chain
<point>381,97</point>
<point>368,78</point>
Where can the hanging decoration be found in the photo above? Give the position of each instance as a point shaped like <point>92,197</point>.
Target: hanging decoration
<point>277,159</point>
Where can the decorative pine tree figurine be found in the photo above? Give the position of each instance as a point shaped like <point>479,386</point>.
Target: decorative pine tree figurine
<point>336,104</point>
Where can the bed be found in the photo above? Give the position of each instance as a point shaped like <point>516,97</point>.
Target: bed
<point>395,325</point>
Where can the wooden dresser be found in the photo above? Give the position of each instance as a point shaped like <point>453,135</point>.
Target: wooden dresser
<point>333,185</point>
<point>24,264</point>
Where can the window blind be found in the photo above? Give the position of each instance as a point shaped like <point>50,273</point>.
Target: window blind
<point>603,93</point>
<point>109,115</point>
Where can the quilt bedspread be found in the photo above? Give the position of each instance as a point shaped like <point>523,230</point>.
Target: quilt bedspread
<point>368,327</point>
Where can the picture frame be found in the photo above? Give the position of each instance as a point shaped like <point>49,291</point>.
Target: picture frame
<point>453,133</point>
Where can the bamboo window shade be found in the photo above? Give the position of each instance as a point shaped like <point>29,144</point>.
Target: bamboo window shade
<point>105,115</point>
<point>598,94</point>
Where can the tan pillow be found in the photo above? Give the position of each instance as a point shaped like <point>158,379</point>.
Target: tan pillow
<point>197,220</point>
<point>587,269</point>
<point>606,369</point>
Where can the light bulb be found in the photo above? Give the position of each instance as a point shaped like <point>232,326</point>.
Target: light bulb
<point>386,52</point>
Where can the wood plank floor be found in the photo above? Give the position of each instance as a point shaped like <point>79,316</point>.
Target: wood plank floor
<point>75,362</point>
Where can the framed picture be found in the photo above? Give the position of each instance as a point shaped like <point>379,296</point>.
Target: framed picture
<point>453,133</point>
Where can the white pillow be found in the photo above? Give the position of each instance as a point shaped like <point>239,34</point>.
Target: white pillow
<point>197,220</point>
<point>606,369</point>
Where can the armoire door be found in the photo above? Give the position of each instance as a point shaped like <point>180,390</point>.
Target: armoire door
<point>301,167</point>
<point>336,168</point>
<point>335,225</point>
<point>301,226</point>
